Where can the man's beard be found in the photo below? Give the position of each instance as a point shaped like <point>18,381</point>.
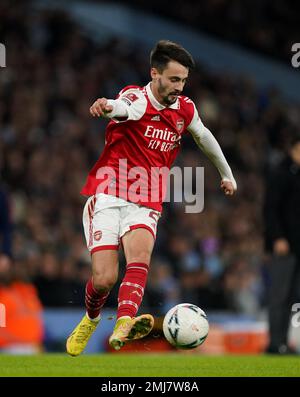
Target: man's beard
<point>165,98</point>
<point>169,101</point>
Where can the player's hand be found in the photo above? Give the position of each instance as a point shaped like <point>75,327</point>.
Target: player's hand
<point>227,188</point>
<point>281,246</point>
<point>100,108</point>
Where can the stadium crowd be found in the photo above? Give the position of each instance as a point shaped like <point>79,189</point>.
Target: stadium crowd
<point>269,27</point>
<point>48,142</point>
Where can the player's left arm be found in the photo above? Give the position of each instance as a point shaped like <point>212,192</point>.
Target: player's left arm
<point>211,148</point>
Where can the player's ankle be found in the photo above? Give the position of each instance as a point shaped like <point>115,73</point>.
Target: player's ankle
<point>123,318</point>
<point>94,319</point>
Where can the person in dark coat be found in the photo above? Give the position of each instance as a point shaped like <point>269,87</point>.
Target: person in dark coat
<point>5,226</point>
<point>282,237</point>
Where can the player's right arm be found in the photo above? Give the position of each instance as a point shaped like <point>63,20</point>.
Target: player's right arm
<point>130,105</point>
<point>108,108</point>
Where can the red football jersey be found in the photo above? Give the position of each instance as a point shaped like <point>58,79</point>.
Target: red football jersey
<point>140,150</point>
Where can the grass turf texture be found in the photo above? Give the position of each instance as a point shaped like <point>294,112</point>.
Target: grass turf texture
<point>146,365</point>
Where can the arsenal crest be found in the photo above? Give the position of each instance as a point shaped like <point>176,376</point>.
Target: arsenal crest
<point>97,235</point>
<point>179,125</point>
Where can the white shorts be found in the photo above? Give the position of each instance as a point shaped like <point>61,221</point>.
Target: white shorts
<point>107,218</point>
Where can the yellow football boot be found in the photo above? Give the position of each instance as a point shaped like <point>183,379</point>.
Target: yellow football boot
<point>79,338</point>
<point>129,329</point>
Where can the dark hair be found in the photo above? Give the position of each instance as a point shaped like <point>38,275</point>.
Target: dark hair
<point>166,51</point>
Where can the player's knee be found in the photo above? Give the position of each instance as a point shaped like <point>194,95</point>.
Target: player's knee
<point>140,256</point>
<point>104,282</point>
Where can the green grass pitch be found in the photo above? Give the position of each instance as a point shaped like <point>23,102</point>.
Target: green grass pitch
<point>145,365</point>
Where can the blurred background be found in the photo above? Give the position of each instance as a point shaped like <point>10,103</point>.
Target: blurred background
<point>60,57</point>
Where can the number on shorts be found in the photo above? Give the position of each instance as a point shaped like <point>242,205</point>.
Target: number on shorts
<point>154,215</point>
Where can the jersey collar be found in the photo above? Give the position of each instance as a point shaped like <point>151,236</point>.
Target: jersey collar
<point>156,104</point>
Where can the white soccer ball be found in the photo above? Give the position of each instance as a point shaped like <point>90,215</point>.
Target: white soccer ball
<point>185,326</point>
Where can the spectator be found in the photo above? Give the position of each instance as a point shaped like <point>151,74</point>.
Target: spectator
<point>5,226</point>
<point>23,330</point>
<point>282,220</point>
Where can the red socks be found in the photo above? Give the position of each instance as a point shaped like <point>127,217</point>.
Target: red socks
<point>94,300</point>
<point>131,290</point>
<point>130,296</point>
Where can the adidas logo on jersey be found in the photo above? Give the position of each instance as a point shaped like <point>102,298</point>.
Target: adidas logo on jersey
<point>155,118</point>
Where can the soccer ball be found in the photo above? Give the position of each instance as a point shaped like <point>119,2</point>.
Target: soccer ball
<point>185,326</point>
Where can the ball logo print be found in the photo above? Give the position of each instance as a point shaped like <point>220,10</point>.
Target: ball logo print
<point>185,326</point>
<point>173,328</point>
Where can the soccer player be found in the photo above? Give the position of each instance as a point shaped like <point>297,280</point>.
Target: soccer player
<point>126,189</point>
